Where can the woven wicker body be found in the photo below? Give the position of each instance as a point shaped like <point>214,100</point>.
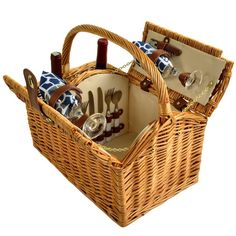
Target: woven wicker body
<point>164,161</point>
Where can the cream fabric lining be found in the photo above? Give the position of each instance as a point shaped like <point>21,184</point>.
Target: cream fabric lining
<point>140,107</point>
<point>107,81</point>
<point>191,59</point>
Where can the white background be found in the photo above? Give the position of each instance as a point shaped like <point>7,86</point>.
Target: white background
<point>35,199</point>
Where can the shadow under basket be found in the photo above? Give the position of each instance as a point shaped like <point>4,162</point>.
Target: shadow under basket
<point>164,155</point>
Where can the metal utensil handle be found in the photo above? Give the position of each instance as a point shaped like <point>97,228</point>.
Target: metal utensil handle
<point>117,125</point>
<point>108,131</point>
<point>146,63</point>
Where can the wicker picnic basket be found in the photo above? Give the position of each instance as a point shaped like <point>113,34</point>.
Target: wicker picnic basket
<point>162,162</point>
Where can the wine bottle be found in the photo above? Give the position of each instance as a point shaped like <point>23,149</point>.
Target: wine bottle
<point>101,62</point>
<point>56,64</point>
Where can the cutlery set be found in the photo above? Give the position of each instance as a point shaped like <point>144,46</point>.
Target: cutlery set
<point>110,97</point>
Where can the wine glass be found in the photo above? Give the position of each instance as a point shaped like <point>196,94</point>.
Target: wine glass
<point>188,80</point>
<point>166,67</point>
<point>94,125</point>
<point>191,80</point>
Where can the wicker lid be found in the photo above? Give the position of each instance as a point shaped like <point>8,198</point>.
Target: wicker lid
<point>217,93</point>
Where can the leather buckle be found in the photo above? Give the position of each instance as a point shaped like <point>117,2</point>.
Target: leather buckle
<point>32,88</point>
<point>180,103</point>
<point>165,45</point>
<point>145,84</point>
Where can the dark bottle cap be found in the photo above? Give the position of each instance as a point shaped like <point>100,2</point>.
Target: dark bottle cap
<point>56,64</point>
<point>101,62</point>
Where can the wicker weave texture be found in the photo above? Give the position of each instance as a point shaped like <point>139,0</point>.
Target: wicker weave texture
<point>163,162</point>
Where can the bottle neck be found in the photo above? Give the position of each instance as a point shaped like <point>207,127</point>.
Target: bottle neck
<point>56,64</point>
<point>101,62</point>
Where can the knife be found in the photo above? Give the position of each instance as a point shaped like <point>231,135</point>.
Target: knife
<point>91,103</point>
<point>100,100</point>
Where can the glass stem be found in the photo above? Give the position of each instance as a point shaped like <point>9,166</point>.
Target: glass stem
<point>174,72</point>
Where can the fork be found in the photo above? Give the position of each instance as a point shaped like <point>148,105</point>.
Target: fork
<point>108,97</point>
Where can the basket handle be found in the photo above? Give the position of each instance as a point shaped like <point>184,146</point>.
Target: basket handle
<point>146,63</point>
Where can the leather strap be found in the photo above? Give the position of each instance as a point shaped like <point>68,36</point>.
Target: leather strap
<point>32,87</point>
<point>109,118</point>
<point>108,133</point>
<point>169,48</point>
<point>117,129</point>
<point>61,90</point>
<point>117,114</point>
<point>99,138</point>
<point>79,122</point>
<point>158,53</point>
